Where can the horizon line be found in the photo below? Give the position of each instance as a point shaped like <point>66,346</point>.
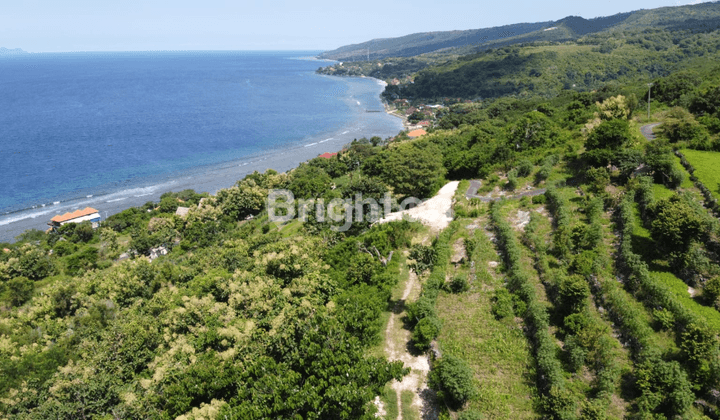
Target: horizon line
<point>165,50</point>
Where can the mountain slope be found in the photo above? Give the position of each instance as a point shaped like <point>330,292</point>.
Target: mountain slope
<point>703,17</point>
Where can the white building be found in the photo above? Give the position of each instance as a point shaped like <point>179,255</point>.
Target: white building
<point>78,216</point>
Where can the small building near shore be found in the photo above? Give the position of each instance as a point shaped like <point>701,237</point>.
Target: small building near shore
<point>327,155</point>
<point>88,214</point>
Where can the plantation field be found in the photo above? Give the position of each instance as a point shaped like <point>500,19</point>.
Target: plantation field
<point>710,315</point>
<point>497,352</point>
<point>707,168</point>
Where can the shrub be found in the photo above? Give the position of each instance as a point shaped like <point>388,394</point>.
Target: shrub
<point>664,318</point>
<point>512,183</point>
<point>18,290</point>
<point>470,415</point>
<point>711,291</point>
<point>502,304</point>
<point>425,331</point>
<point>424,257</point>
<point>524,168</point>
<point>613,134</point>
<point>575,353</point>
<point>573,294</point>
<point>598,179</point>
<point>459,284</point>
<point>539,199</point>
<point>492,180</point>
<point>452,378</point>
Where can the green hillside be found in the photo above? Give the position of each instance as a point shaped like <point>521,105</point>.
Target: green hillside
<point>692,17</point>
<point>545,69</point>
<point>579,277</point>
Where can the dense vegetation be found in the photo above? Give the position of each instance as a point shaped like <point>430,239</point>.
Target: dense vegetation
<point>603,303</point>
<point>696,17</point>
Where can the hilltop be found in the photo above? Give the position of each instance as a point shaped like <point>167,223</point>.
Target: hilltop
<point>693,17</point>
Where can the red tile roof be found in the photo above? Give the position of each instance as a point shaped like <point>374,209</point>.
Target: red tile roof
<point>74,215</point>
<point>327,155</point>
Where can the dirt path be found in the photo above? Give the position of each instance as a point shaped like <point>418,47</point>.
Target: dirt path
<point>398,347</point>
<point>435,212</point>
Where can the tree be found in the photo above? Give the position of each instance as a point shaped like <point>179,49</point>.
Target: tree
<point>573,292</point>
<point>533,130</point>
<point>82,260</point>
<point>616,107</point>
<point>675,225</point>
<point>452,378</point>
<point>241,201</point>
<point>674,89</point>
<point>34,263</point>
<point>708,103</point>
<point>680,125</point>
<point>411,169</point>
<point>309,182</point>
<point>598,178</point>
<point>613,134</point>
<point>18,290</point>
<point>660,158</point>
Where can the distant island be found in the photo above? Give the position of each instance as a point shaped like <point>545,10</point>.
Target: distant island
<point>15,51</point>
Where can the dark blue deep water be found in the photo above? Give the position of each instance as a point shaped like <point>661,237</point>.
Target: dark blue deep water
<point>93,128</point>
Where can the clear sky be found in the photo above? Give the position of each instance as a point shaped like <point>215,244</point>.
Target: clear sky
<point>130,25</point>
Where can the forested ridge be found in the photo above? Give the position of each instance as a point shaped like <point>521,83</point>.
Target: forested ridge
<point>597,298</point>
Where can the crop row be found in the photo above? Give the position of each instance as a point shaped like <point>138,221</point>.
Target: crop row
<point>665,386</point>
<point>710,201</point>
<point>557,399</point>
<point>422,312</point>
<point>571,298</point>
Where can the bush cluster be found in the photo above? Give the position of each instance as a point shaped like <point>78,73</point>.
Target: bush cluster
<point>664,385</point>
<point>587,341</point>
<point>557,400</point>
<point>422,313</point>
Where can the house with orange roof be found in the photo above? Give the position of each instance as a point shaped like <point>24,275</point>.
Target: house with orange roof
<point>87,214</point>
<point>327,155</point>
<point>417,133</point>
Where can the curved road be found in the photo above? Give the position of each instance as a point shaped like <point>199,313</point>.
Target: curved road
<point>647,131</point>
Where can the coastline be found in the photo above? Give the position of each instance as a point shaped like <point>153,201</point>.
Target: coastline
<point>213,177</point>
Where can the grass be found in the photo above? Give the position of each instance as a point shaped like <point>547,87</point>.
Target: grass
<point>498,353</point>
<point>660,191</point>
<point>408,411</point>
<point>378,350</point>
<point>705,313</point>
<point>389,398</point>
<point>645,246</point>
<point>707,168</point>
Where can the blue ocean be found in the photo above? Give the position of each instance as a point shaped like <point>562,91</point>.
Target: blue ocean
<point>112,130</point>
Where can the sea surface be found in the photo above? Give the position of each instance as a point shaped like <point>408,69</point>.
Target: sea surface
<point>115,130</point>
